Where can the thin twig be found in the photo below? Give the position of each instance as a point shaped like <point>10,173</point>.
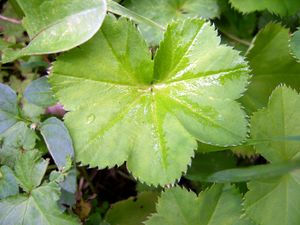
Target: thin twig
<point>235,38</point>
<point>11,20</point>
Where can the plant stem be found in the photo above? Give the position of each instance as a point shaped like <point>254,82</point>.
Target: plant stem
<point>11,20</point>
<point>118,9</point>
<point>87,178</point>
<point>235,38</point>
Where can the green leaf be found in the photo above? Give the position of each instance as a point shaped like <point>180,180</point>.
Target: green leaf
<point>8,108</point>
<point>30,169</point>
<point>40,207</point>
<point>163,12</point>
<point>58,141</point>
<point>124,109</point>
<point>39,92</point>
<point>279,119</point>
<point>55,26</point>
<point>8,183</point>
<point>269,69</point>
<point>280,7</point>
<point>217,205</point>
<point>133,211</point>
<point>274,201</point>
<point>14,141</point>
<point>295,44</point>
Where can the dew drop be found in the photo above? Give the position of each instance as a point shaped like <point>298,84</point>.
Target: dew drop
<point>90,118</point>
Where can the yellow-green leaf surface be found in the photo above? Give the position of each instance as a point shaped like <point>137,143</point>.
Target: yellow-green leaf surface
<point>295,44</point>
<point>271,64</point>
<point>280,7</point>
<point>126,107</point>
<point>275,201</point>
<point>163,12</point>
<point>218,205</point>
<point>58,25</point>
<point>39,207</point>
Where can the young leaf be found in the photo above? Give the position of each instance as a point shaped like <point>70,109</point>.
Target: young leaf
<point>38,92</point>
<point>295,44</point>
<point>275,201</point>
<point>8,108</point>
<point>14,141</point>
<point>132,211</point>
<point>281,118</point>
<point>217,205</point>
<point>8,183</point>
<point>55,26</point>
<point>124,109</point>
<point>39,207</point>
<point>280,7</point>
<point>163,12</point>
<point>30,169</point>
<point>269,69</point>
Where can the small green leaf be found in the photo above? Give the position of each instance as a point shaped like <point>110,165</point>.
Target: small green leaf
<point>163,12</point>
<point>133,211</point>
<point>40,207</point>
<point>295,44</point>
<point>8,183</point>
<point>38,92</point>
<point>30,169</point>
<point>279,119</point>
<point>269,69</point>
<point>217,205</point>
<point>58,141</point>
<point>14,141</point>
<point>55,26</point>
<point>126,108</point>
<point>280,7</point>
<point>8,108</point>
<point>275,201</point>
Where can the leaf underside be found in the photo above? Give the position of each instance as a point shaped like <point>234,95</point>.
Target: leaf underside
<point>126,107</point>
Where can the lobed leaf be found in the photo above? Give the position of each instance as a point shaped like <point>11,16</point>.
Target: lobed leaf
<point>218,205</point>
<point>275,201</point>
<point>129,108</point>
<point>269,69</point>
<point>39,207</point>
<point>163,12</point>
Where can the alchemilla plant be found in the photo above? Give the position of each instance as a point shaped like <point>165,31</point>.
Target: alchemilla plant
<point>149,112</point>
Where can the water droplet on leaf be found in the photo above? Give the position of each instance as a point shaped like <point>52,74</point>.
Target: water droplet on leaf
<point>90,118</point>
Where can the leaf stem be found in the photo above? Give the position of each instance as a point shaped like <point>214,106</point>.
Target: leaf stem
<point>235,38</point>
<point>118,9</point>
<point>87,178</point>
<point>11,20</point>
